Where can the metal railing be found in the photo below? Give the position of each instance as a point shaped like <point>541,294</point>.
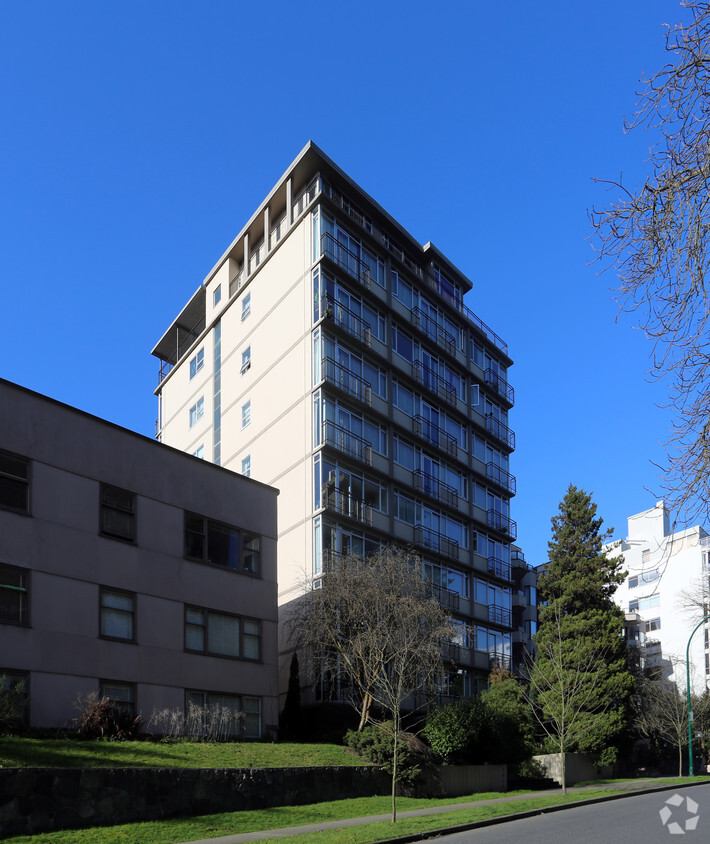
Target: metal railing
<point>433,382</point>
<point>500,568</point>
<point>347,381</point>
<point>501,477</point>
<point>345,505</point>
<point>434,331</point>
<point>504,524</point>
<point>500,431</point>
<point>434,541</point>
<point>434,435</point>
<point>434,488</point>
<point>345,259</point>
<point>448,599</point>
<point>351,444</point>
<point>500,385</point>
<point>499,615</point>
<point>344,318</point>
<point>499,660</point>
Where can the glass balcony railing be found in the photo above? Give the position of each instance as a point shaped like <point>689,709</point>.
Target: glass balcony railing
<point>341,439</point>
<point>501,477</point>
<point>347,381</point>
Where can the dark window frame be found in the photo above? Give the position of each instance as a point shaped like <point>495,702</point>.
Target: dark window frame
<point>22,589</point>
<point>114,506</point>
<point>123,705</point>
<point>197,532</point>
<point>103,590</point>
<point>10,478</point>
<point>240,697</point>
<point>205,650</point>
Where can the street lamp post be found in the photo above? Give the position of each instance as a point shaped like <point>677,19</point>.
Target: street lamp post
<point>687,685</point>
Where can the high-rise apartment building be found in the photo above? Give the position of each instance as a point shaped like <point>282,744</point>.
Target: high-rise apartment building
<point>667,590</point>
<point>331,355</point>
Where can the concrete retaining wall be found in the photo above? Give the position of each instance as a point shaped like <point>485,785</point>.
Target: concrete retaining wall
<point>42,799</point>
<point>578,768</point>
<point>455,780</point>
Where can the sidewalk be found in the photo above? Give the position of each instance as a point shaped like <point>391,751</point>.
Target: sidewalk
<point>624,788</point>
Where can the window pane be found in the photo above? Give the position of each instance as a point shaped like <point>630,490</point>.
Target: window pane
<point>251,640</point>
<point>250,562</point>
<point>223,634</point>
<point>222,545</point>
<point>252,717</point>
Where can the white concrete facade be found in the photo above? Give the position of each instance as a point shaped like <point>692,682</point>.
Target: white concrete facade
<point>330,354</point>
<point>131,569</point>
<point>667,573</point>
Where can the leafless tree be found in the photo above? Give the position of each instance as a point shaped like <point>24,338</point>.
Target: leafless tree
<point>661,712</point>
<point>375,628</point>
<point>657,238</point>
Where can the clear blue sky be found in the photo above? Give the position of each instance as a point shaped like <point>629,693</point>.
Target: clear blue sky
<point>138,137</point>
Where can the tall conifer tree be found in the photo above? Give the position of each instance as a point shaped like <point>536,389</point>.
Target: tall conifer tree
<point>580,683</point>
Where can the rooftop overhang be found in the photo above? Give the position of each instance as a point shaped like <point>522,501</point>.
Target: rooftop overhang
<point>188,325</point>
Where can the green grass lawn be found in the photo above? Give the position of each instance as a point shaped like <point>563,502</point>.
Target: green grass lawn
<point>20,752</point>
<point>231,823</point>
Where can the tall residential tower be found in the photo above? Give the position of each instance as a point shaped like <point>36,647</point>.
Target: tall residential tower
<point>331,355</point>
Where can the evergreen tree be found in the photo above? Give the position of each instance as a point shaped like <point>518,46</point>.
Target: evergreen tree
<point>580,683</point>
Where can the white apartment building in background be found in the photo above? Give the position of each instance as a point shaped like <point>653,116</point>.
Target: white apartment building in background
<point>667,574</point>
<point>329,353</point>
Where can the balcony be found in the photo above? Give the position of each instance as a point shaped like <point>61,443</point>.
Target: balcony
<point>500,431</point>
<point>434,488</point>
<point>500,385</point>
<point>434,331</point>
<point>499,615</point>
<point>434,435</point>
<point>434,383</point>
<point>500,477</point>
<point>345,505</point>
<point>499,568</point>
<point>341,439</point>
<point>498,660</point>
<point>451,652</point>
<point>504,524</point>
<point>346,381</point>
<point>345,319</point>
<point>448,599</point>
<point>433,541</point>
<point>345,259</point>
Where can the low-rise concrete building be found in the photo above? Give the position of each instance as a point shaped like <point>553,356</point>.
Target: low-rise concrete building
<point>133,570</point>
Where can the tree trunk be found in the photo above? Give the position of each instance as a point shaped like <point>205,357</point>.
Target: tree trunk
<point>680,759</point>
<point>365,711</point>
<point>395,739</point>
<point>563,772</point>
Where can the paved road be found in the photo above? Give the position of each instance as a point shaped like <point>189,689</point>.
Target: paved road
<point>633,820</point>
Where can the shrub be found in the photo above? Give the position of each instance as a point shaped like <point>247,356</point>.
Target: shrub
<point>13,703</point>
<point>455,732</point>
<point>214,722</point>
<point>375,744</point>
<point>101,718</point>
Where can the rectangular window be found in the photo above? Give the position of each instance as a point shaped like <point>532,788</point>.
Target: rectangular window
<point>633,582</point>
<point>13,595</point>
<point>197,411</point>
<point>246,414</point>
<point>246,306</point>
<point>216,715</point>
<point>14,482</point>
<point>207,541</point>
<point>217,296</point>
<point>246,359</point>
<point>653,624</point>
<point>197,363</point>
<point>648,603</point>
<point>246,466</point>
<point>199,452</point>
<point>118,513</point>
<point>122,695</point>
<point>475,395</point>
<point>117,615</point>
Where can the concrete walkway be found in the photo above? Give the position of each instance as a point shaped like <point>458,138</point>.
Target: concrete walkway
<point>624,789</point>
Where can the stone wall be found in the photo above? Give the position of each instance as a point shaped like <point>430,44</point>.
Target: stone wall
<point>42,799</point>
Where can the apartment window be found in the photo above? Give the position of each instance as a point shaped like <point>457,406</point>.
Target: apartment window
<point>199,452</point>
<point>246,414</point>
<point>246,306</point>
<point>197,362</point>
<point>217,296</point>
<point>221,634</point>
<point>117,615</point>
<point>653,624</point>
<point>197,411</point>
<point>118,513</point>
<point>14,482</point>
<point>207,541</point>
<point>246,359</point>
<point>13,595</point>
<point>215,714</point>
<point>633,582</point>
<point>121,695</point>
<point>246,466</point>
<point>475,395</point>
